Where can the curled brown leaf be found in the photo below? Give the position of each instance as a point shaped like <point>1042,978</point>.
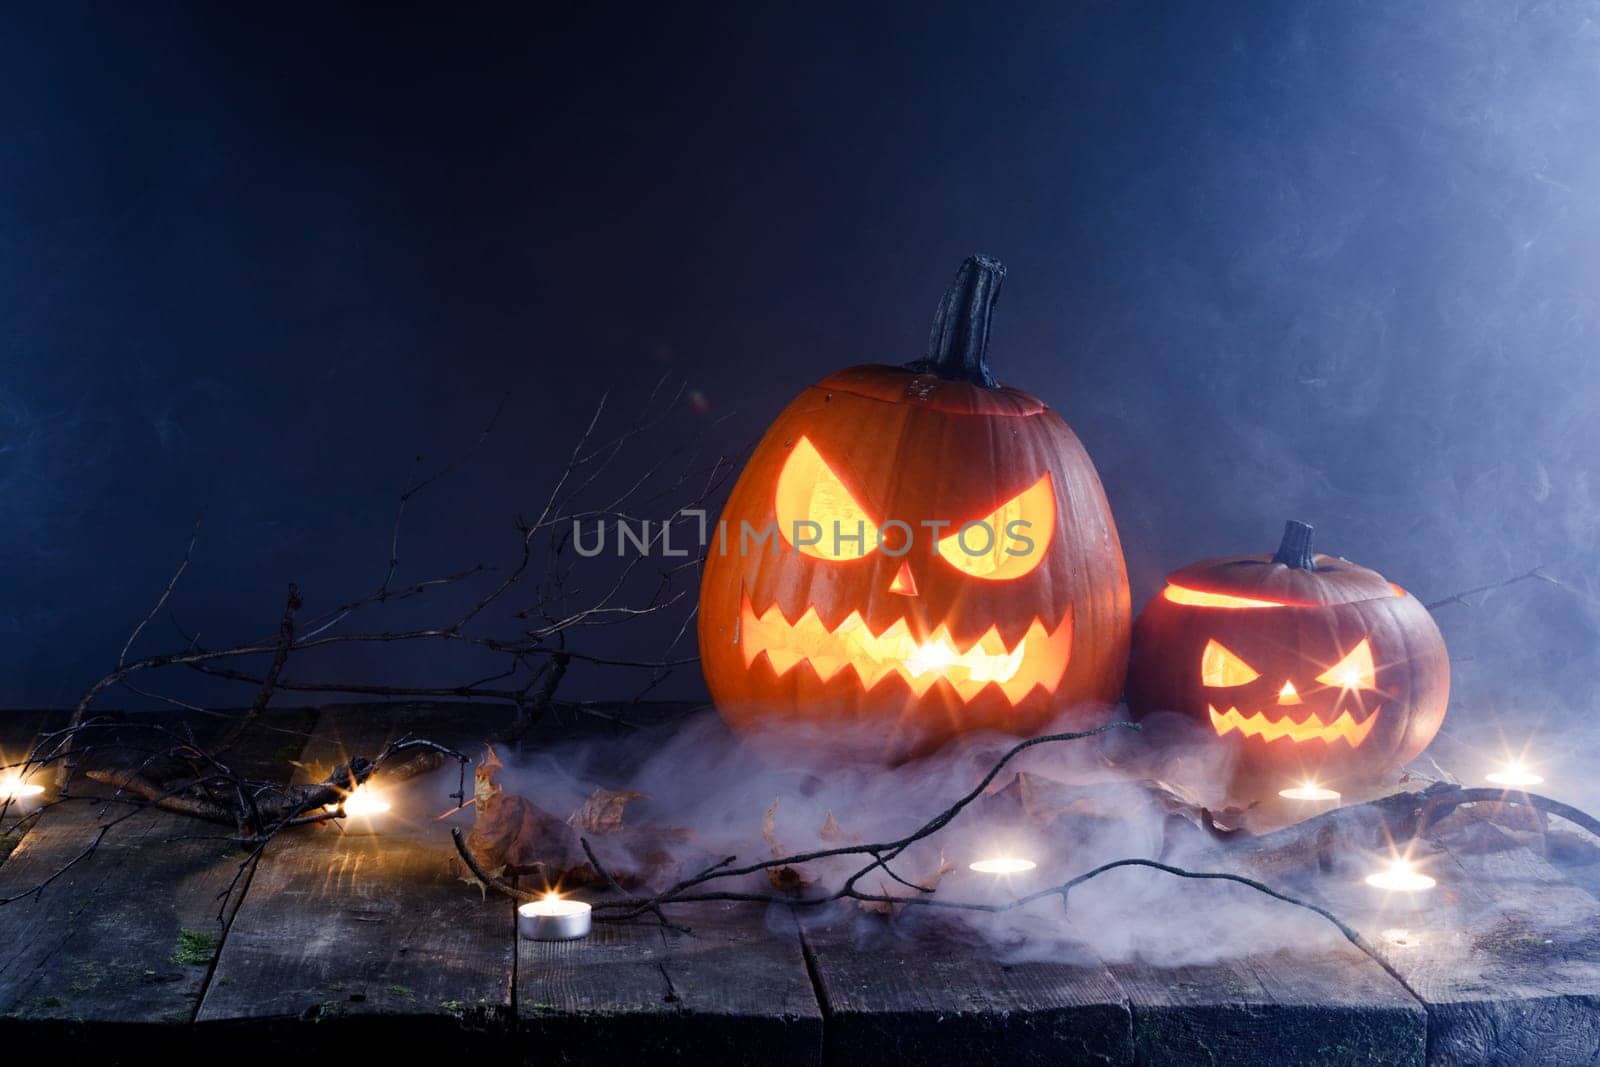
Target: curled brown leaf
<point>602,810</point>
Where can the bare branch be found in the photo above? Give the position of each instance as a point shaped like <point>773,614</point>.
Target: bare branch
<point>1461,597</point>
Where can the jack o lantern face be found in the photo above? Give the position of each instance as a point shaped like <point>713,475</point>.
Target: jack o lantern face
<point>928,572</point>
<point>1340,705</point>
<point>942,557</point>
<point>822,519</point>
<point>1308,666</point>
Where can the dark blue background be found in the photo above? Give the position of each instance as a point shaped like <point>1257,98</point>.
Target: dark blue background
<point>1337,261</point>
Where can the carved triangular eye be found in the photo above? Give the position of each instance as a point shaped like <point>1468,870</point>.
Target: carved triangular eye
<point>1008,542</point>
<point>816,513</point>
<point>1221,668</point>
<point>1355,671</point>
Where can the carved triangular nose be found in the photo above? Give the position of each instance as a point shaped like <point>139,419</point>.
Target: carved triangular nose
<point>903,583</point>
<point>1288,695</point>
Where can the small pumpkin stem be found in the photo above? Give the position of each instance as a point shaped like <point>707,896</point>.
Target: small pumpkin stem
<point>1295,549</point>
<point>958,344</point>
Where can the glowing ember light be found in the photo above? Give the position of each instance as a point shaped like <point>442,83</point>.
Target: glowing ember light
<point>1309,791</point>
<point>1312,728</point>
<point>554,918</point>
<point>1400,877</point>
<point>1401,938</point>
<point>1003,865</point>
<point>1515,774</point>
<point>1038,657</point>
<point>361,801</point>
<point>12,787</point>
<point>554,904</point>
<point>1180,595</point>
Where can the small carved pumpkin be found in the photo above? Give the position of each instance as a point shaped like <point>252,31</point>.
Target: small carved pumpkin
<point>978,581</point>
<point>1313,666</point>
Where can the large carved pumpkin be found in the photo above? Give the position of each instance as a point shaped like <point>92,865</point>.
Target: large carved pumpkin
<point>977,580</point>
<point>1312,666</point>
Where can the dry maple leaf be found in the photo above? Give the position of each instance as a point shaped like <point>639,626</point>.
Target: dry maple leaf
<point>784,879</point>
<point>511,832</point>
<point>601,812</point>
<point>834,834</point>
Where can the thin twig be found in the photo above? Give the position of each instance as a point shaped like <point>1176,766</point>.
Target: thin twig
<point>1461,597</point>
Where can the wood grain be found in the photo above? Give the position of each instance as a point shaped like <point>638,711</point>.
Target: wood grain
<point>1335,1006</point>
<point>1504,952</point>
<point>946,997</point>
<point>368,927</point>
<point>732,989</point>
<point>121,943</point>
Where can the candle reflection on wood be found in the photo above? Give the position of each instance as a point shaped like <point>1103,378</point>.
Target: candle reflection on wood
<point>1401,938</point>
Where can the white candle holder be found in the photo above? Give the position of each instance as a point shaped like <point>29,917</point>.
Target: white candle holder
<point>554,918</point>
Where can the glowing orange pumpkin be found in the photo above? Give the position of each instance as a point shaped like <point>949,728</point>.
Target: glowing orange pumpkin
<point>1314,667</point>
<point>939,555</point>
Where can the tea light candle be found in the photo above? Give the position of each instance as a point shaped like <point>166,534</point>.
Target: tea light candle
<point>362,801</point>
<point>1516,775</point>
<point>554,918</point>
<point>1309,791</point>
<point>1003,865</point>
<point>12,787</point>
<point>1400,877</point>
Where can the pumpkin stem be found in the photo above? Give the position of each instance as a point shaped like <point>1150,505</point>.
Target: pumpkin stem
<point>958,344</point>
<point>1295,549</point>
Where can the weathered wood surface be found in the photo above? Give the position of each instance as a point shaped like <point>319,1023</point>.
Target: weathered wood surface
<point>125,936</point>
<point>943,997</point>
<point>18,732</point>
<point>1331,1006</point>
<point>369,922</point>
<point>344,940</point>
<point>888,996</point>
<point>734,988</point>
<point>1504,953</point>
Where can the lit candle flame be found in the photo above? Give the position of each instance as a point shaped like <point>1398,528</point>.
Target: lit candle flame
<point>1003,865</point>
<point>1400,877</point>
<point>1309,791</point>
<point>1514,774</point>
<point>554,903</point>
<point>12,787</point>
<point>361,801</point>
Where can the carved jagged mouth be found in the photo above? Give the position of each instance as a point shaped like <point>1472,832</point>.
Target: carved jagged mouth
<point>1039,658</point>
<point>1311,728</point>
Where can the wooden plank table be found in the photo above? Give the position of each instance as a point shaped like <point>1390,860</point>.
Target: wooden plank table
<point>119,943</point>
<point>346,943</point>
<point>944,996</point>
<point>1331,1006</point>
<point>1504,953</point>
<point>348,926</point>
<point>888,996</point>
<point>734,987</point>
